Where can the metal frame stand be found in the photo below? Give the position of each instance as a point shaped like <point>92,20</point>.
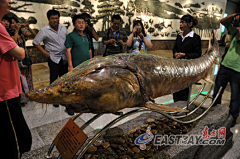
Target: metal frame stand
<point>122,116</point>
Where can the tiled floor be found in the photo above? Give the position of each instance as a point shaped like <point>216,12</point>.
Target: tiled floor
<point>45,121</point>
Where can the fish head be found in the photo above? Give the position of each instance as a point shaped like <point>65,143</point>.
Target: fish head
<point>102,90</point>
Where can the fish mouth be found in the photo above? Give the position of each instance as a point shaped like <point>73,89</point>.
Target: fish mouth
<point>42,96</point>
<point>79,107</point>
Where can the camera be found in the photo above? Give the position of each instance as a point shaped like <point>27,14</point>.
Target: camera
<point>89,23</point>
<point>117,42</point>
<point>138,29</point>
<point>22,25</point>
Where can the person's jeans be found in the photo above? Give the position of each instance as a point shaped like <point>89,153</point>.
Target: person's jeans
<point>224,76</point>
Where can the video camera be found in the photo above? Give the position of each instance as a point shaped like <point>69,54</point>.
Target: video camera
<point>89,23</point>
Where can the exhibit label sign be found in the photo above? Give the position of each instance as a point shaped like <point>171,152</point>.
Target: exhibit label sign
<point>69,140</point>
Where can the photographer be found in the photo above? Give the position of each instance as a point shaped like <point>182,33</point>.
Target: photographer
<point>19,30</point>
<point>230,67</point>
<point>19,35</point>
<point>90,30</point>
<point>114,38</point>
<point>139,41</point>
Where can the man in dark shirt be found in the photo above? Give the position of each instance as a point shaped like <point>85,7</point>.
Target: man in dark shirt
<point>90,30</point>
<point>114,38</point>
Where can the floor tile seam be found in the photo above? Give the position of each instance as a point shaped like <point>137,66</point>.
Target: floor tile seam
<point>27,119</point>
<point>40,138</point>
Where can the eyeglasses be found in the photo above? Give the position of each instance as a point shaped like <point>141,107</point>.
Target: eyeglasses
<point>81,22</point>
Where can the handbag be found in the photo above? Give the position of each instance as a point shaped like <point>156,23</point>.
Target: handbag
<point>25,63</point>
<point>24,83</point>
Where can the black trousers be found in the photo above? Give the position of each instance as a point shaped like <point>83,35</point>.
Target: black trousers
<point>15,135</point>
<point>224,76</point>
<point>181,95</point>
<point>56,70</point>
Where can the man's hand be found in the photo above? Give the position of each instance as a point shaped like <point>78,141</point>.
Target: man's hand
<point>70,68</point>
<point>111,41</point>
<point>46,54</point>
<point>17,52</point>
<point>121,42</point>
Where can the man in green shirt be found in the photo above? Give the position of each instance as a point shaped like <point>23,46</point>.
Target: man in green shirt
<point>78,43</point>
<point>230,68</point>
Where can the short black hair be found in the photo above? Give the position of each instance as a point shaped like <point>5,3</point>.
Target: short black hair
<point>86,15</point>
<point>117,17</point>
<point>52,12</point>
<point>5,17</point>
<point>188,19</point>
<point>77,16</point>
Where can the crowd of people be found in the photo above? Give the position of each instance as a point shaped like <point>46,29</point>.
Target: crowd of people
<point>65,51</point>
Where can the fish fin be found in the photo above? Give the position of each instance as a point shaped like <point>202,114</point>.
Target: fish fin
<point>216,62</point>
<point>207,78</point>
<point>209,45</point>
<point>163,107</point>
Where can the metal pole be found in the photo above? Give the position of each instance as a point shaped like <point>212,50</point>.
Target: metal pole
<point>189,96</point>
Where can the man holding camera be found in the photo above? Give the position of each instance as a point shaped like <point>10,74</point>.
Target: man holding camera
<point>230,67</point>
<point>89,30</point>
<point>114,38</point>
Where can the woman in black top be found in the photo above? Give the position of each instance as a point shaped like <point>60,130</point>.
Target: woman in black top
<point>187,46</point>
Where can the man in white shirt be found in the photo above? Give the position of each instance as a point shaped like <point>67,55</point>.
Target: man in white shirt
<point>53,37</point>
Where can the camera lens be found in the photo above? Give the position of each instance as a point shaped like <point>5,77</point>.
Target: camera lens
<point>138,29</point>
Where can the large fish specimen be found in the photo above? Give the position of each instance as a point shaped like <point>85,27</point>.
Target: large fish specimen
<point>109,84</point>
